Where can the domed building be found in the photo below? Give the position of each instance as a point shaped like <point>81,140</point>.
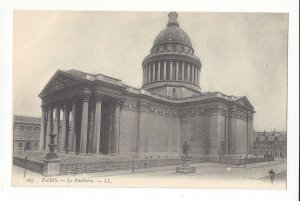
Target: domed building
<point>108,117</point>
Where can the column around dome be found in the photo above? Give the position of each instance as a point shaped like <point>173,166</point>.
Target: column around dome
<point>158,71</point>
<point>182,71</point>
<point>171,70</point>
<point>177,69</point>
<point>153,72</point>
<point>188,72</point>
<point>196,75</point>
<point>165,70</point>
<point>149,73</point>
<point>143,75</point>
<point>193,73</point>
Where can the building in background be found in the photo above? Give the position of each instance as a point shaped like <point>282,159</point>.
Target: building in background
<point>26,132</point>
<point>271,143</point>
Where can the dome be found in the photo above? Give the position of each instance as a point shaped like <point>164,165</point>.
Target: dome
<point>172,69</point>
<point>172,33</point>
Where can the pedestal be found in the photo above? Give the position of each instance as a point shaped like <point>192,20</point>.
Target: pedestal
<point>51,166</point>
<point>185,167</point>
<point>51,161</point>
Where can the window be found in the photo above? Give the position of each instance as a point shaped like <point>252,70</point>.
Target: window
<point>20,144</point>
<point>35,144</point>
<point>174,90</point>
<point>15,127</point>
<point>29,128</point>
<point>36,129</point>
<point>21,128</point>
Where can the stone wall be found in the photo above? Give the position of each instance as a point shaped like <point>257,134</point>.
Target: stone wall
<point>193,130</point>
<point>128,131</point>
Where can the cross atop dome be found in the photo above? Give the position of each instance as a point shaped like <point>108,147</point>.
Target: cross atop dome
<point>173,19</point>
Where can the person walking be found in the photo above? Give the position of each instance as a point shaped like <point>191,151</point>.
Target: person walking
<point>272,175</point>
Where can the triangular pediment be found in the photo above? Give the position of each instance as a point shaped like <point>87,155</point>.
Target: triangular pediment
<point>243,101</point>
<point>60,81</point>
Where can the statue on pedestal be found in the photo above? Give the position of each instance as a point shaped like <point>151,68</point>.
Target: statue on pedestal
<point>185,149</point>
<point>185,166</point>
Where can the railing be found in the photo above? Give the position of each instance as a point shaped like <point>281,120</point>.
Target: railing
<point>77,168</point>
<point>30,165</point>
<point>227,159</point>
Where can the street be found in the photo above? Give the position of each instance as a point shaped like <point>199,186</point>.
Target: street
<point>208,175</point>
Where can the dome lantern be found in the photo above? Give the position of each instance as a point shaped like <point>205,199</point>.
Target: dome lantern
<point>173,19</point>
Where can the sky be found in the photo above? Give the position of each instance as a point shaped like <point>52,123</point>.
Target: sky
<point>242,54</point>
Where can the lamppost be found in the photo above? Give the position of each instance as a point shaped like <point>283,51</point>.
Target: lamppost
<point>51,154</point>
<point>25,166</point>
<point>132,164</point>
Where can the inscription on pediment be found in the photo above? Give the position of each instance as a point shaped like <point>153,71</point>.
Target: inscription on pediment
<point>60,83</point>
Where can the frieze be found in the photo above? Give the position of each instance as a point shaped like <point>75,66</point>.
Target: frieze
<point>126,105</point>
<point>174,113</point>
<point>241,115</point>
<point>171,112</point>
<point>160,111</point>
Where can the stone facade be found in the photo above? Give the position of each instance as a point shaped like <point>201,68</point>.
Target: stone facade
<point>272,143</point>
<point>26,133</point>
<point>108,117</point>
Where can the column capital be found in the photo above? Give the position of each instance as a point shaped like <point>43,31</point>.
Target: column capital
<point>50,107</point>
<point>58,106</point>
<point>98,97</point>
<point>44,106</point>
<point>118,102</point>
<point>66,105</point>
<point>85,95</point>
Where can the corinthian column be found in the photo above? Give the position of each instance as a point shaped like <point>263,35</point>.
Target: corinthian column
<point>43,132</point>
<point>165,70</point>
<point>73,128</point>
<point>171,70</point>
<point>188,72</point>
<point>143,75</point>
<point>65,129</point>
<point>153,72</point>
<point>182,71</point>
<point>116,129</point>
<point>84,123</point>
<point>158,71</point>
<point>149,74</point>
<point>192,74</point>
<point>97,125</point>
<point>177,70</point>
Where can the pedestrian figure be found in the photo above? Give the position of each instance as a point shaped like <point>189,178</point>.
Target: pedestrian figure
<point>185,149</point>
<point>272,175</point>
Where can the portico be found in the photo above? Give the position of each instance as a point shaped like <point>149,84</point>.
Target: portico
<point>94,128</point>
